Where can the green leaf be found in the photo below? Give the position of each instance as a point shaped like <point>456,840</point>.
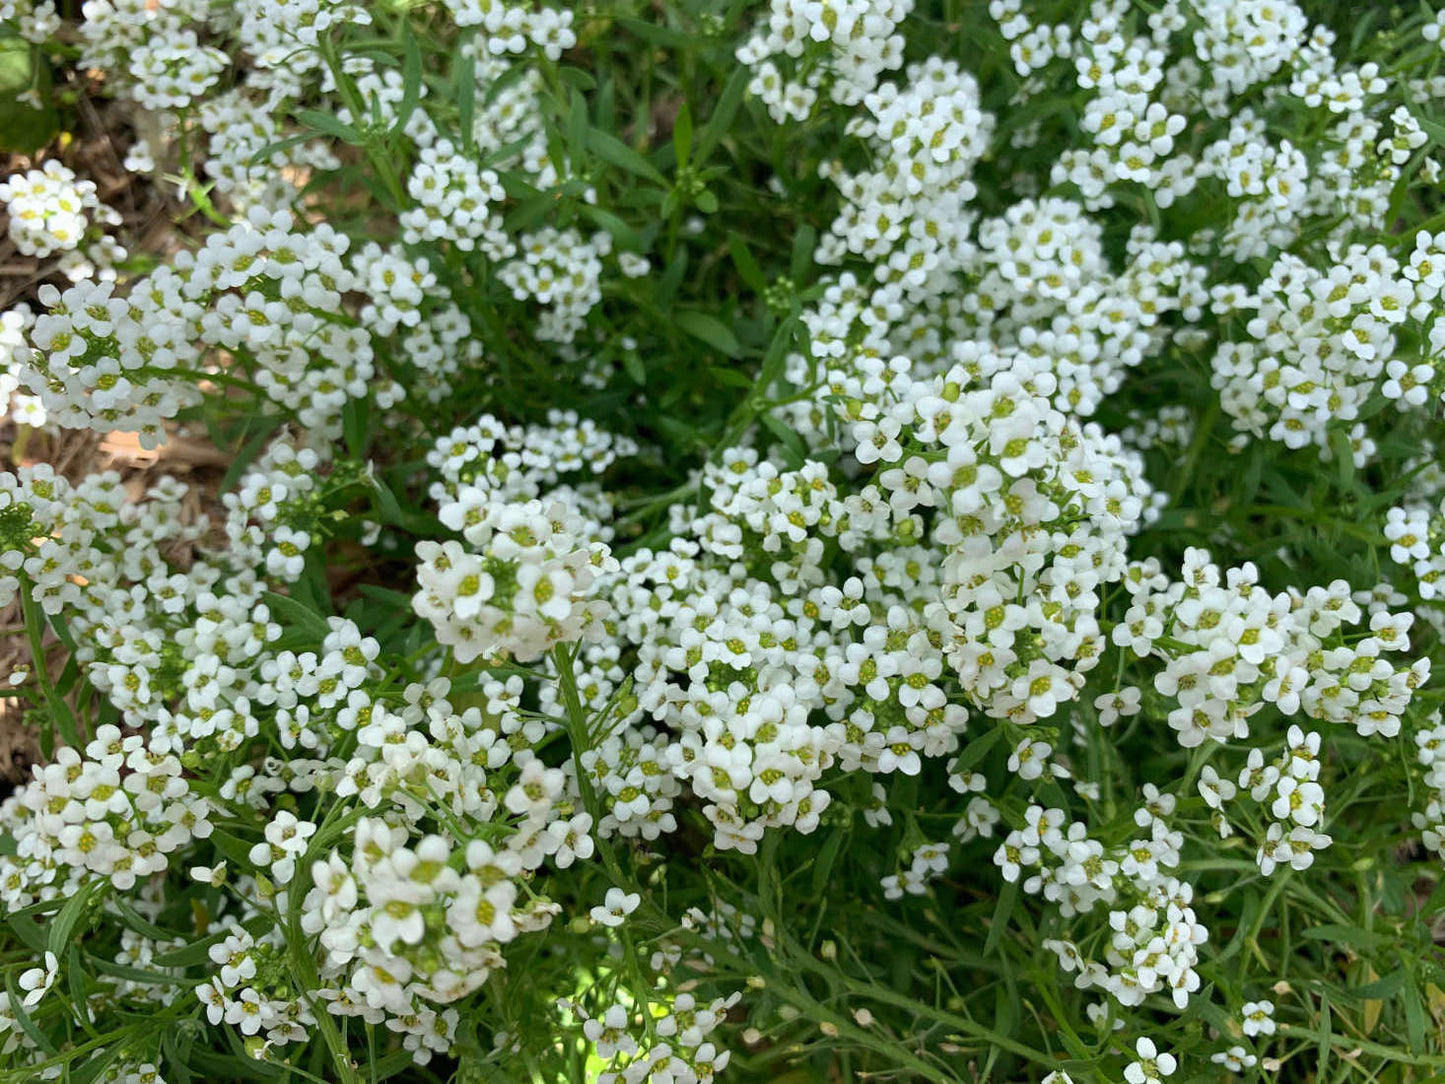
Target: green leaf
<point>658,35</point>
<point>777,354</point>
<point>720,123</point>
<point>977,749</point>
<point>92,1069</point>
<point>747,267</point>
<point>297,615</point>
<point>706,202</point>
<point>730,377</point>
<point>1380,989</point>
<point>682,136</point>
<point>356,425</point>
<point>467,99</point>
<point>1353,936</point>
<point>176,1044</point>
<point>669,282</point>
<point>31,935</point>
<point>577,132</point>
<point>823,864</point>
<point>1007,898</point>
<point>797,450</point>
<point>1414,1018</point>
<point>804,242</point>
<point>232,847</point>
<point>577,78</point>
<point>632,364</point>
<point>326,124</point>
<point>625,236</point>
<point>410,79</point>
<point>710,330</point>
<point>129,916</point>
<point>61,929</point>
<point>24,128</point>
<point>611,149</point>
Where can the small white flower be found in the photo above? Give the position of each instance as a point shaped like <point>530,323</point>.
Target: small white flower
<point>616,906</point>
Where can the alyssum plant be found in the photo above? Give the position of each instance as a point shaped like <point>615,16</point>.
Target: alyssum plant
<point>830,540</point>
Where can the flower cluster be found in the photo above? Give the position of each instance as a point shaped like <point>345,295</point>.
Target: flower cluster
<point>934,547</point>
<point>52,211</point>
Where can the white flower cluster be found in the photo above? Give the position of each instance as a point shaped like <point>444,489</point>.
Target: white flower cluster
<point>1430,754</point>
<point>247,157</point>
<point>267,295</point>
<point>510,29</point>
<point>525,585</point>
<point>116,812</point>
<point>1319,344</point>
<point>1230,648</point>
<point>537,544</point>
<point>678,1050</point>
<point>561,271</point>
<point>907,215</point>
<point>1416,533</point>
<point>52,211</point>
<point>25,409</point>
<point>837,47</point>
<point>35,22</point>
<point>170,73</point>
<point>452,203</point>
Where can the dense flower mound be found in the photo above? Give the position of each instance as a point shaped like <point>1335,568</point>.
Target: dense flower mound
<point>825,540</point>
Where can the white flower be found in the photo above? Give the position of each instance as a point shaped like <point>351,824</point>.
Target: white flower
<point>1152,1065</point>
<point>1258,1018</point>
<point>617,906</point>
<point>37,981</point>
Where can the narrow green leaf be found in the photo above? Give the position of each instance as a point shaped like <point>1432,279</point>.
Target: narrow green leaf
<point>577,78</point>
<point>625,236</point>
<point>747,266</point>
<point>1001,914</point>
<point>58,939</point>
<point>129,916</point>
<point>297,615</point>
<point>658,35</point>
<point>1346,935</point>
<point>611,149</point>
<point>356,425</point>
<point>669,282</point>
<point>326,124</point>
<point>1414,1018</point>
<point>823,865</point>
<point>803,243</point>
<point>411,70</point>
<point>710,330</point>
<point>682,136</point>
<point>731,377</point>
<point>31,935</point>
<point>577,132</point>
<point>1380,989</point>
<point>466,80</point>
<point>797,450</point>
<point>632,364</point>
<point>721,121</point>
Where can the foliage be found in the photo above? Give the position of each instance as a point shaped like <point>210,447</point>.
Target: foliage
<point>813,541</point>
